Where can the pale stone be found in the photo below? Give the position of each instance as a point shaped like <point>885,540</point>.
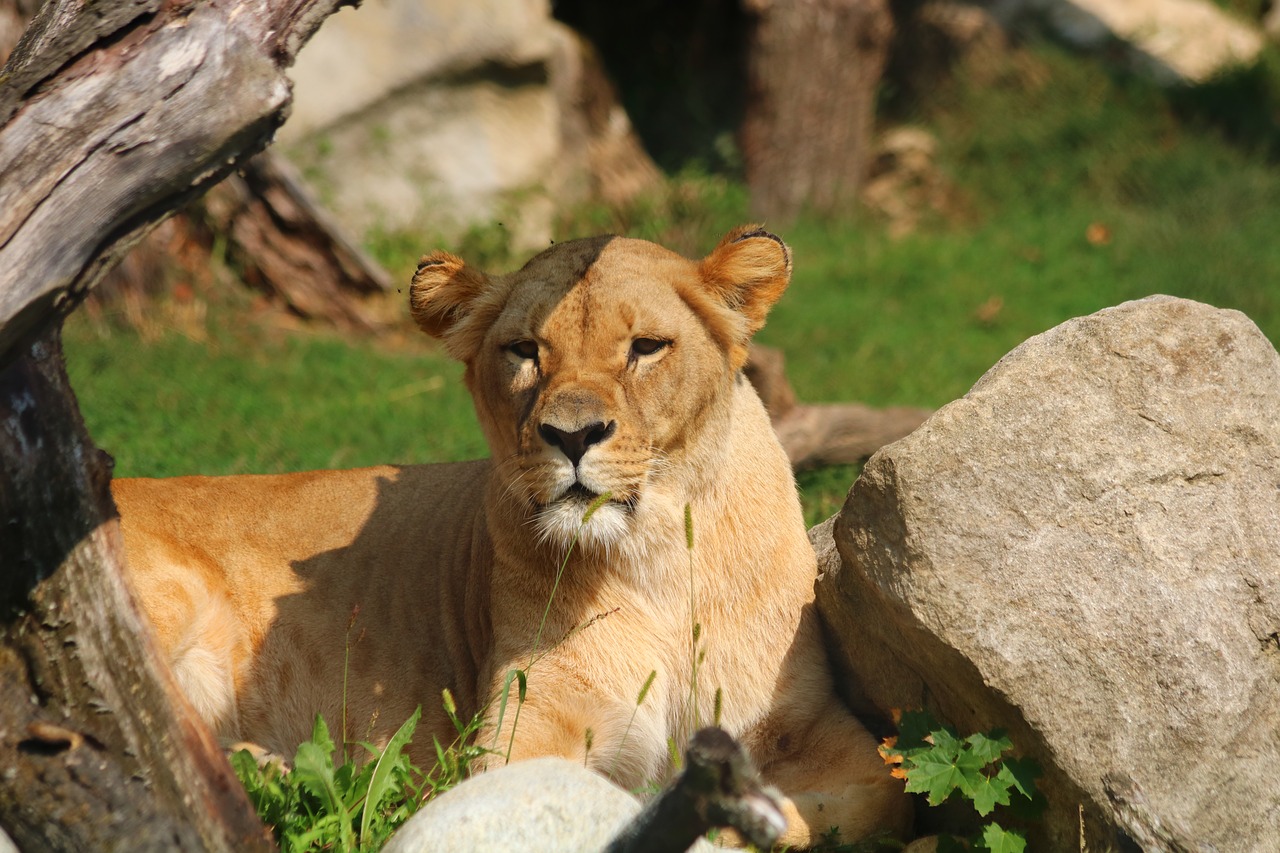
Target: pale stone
<point>1177,41</point>
<point>434,116</point>
<point>544,805</point>
<point>362,55</point>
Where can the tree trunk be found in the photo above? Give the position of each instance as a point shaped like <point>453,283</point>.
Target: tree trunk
<point>111,116</point>
<point>813,69</point>
<point>99,750</point>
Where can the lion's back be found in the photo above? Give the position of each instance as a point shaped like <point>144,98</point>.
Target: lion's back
<point>279,574</point>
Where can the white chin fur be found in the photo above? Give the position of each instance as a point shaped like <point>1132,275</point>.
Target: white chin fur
<point>561,521</point>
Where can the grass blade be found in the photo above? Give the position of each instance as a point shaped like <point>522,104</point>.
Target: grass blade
<point>380,782</point>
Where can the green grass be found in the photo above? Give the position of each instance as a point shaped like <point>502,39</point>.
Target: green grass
<point>1038,154</point>
<point>253,400</point>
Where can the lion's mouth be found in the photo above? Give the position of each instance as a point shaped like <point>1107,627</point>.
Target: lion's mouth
<point>578,492</point>
<point>580,495</point>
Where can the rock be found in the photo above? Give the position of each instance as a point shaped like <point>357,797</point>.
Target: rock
<point>544,804</point>
<point>903,181</point>
<point>1177,41</point>
<point>1271,22</point>
<point>436,115</point>
<point>1085,551</point>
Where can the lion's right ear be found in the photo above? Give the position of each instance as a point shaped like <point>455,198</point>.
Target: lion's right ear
<point>442,295</point>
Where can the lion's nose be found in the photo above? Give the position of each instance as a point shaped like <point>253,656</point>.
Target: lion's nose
<point>574,444</point>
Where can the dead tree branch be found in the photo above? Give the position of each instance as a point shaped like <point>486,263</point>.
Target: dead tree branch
<point>815,435</point>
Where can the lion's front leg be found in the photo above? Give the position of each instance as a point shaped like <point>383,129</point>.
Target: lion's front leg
<point>583,726</point>
<point>832,777</point>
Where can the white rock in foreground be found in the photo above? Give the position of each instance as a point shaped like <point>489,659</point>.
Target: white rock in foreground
<point>544,805</point>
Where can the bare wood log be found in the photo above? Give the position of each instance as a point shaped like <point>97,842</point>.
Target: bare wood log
<point>719,787</point>
<point>842,433</point>
<point>289,247</point>
<point>812,73</point>
<point>814,435</point>
<point>274,232</point>
<point>94,758</point>
<point>168,104</point>
<point>111,116</point>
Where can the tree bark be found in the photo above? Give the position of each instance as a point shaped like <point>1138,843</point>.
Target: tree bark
<point>285,245</point>
<point>719,787</point>
<point>100,751</point>
<point>111,116</point>
<point>813,69</point>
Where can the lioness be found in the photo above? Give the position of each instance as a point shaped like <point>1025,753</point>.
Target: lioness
<point>606,374</point>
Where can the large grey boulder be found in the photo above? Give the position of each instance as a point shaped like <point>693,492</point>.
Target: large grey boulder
<point>1085,551</point>
<point>435,115</point>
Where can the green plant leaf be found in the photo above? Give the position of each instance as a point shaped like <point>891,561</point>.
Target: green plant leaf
<point>442,760</point>
<point>987,793</point>
<point>913,729</point>
<point>313,770</point>
<point>1021,774</point>
<point>320,738</point>
<point>382,777</point>
<point>310,833</point>
<point>989,747</point>
<point>935,777</point>
<point>997,839</point>
<point>246,769</point>
<point>946,743</point>
<point>502,701</point>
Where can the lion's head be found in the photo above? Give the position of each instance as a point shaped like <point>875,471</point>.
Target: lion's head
<point>604,366</point>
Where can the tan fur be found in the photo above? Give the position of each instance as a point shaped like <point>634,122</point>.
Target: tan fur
<point>438,576</point>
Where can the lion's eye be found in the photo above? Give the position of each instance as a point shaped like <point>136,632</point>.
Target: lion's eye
<point>648,346</point>
<point>524,349</point>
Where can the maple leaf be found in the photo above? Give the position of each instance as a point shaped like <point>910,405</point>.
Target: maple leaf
<point>945,741</point>
<point>987,793</point>
<point>989,747</point>
<point>887,751</point>
<point>1021,774</point>
<point>997,839</point>
<point>914,730</point>
<point>935,776</point>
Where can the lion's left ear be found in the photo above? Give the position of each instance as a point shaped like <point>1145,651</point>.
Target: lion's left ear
<point>748,271</point>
